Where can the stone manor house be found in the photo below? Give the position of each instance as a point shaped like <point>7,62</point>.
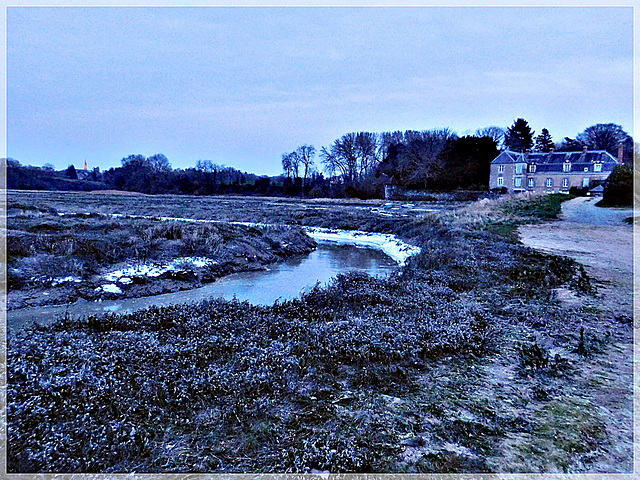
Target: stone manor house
<point>551,172</point>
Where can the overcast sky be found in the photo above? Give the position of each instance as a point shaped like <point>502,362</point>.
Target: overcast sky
<point>242,86</point>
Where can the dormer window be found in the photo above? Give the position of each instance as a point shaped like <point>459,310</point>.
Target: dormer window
<point>566,167</point>
<point>597,167</point>
<point>531,168</point>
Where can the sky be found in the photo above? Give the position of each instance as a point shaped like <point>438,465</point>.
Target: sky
<point>242,86</point>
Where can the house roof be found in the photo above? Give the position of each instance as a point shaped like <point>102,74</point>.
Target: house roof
<point>554,161</point>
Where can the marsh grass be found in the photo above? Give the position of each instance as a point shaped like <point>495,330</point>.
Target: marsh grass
<point>431,370</point>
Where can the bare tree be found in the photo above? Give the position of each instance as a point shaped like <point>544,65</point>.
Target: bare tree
<point>305,154</point>
<point>341,157</point>
<point>387,139</point>
<point>332,163</point>
<point>496,133</point>
<point>159,162</point>
<point>209,167</point>
<point>366,152</point>
<point>286,164</point>
<point>416,161</point>
<point>606,136</point>
<point>353,155</point>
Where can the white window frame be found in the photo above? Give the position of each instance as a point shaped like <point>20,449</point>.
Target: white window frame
<point>518,168</point>
<point>597,167</point>
<point>518,182</point>
<point>565,182</point>
<point>566,167</point>
<point>500,168</point>
<point>531,183</point>
<point>549,182</point>
<point>531,168</point>
<point>585,182</point>
<point>500,181</point>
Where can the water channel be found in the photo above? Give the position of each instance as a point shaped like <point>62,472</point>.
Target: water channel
<point>283,280</point>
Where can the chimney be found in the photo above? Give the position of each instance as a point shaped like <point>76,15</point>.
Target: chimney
<point>551,150</point>
<point>584,149</point>
<point>621,153</point>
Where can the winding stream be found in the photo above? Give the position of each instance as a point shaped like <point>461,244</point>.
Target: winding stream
<point>283,280</point>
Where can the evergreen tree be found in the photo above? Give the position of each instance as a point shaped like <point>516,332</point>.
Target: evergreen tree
<point>618,188</point>
<point>70,172</point>
<point>519,137</point>
<point>544,143</point>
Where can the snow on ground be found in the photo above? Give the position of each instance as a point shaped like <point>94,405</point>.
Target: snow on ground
<point>59,280</point>
<point>389,244</point>
<point>124,275</point>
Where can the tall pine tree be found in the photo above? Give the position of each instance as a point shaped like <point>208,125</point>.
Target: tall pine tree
<point>544,143</point>
<point>519,136</point>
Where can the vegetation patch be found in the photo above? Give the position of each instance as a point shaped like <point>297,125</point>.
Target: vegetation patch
<point>536,209</point>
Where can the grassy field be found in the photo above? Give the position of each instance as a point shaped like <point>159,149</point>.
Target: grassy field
<point>464,361</point>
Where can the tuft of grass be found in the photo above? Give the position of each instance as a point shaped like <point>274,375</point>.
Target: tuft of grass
<point>565,428</point>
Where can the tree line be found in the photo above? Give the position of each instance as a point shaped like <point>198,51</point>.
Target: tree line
<point>358,164</point>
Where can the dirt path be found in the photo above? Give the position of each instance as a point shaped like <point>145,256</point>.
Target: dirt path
<point>600,240</point>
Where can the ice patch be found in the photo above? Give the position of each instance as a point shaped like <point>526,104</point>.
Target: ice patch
<point>111,288</point>
<point>389,244</point>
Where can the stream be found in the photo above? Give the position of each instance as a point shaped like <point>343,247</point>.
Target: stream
<point>283,280</point>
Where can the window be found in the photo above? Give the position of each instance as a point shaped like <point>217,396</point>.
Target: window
<point>531,168</point>
<point>531,183</point>
<point>585,182</point>
<point>500,168</point>
<point>500,181</point>
<point>518,168</point>
<point>566,167</point>
<point>597,167</point>
<point>565,183</point>
<point>586,169</point>
<point>549,182</point>
<point>518,182</point>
